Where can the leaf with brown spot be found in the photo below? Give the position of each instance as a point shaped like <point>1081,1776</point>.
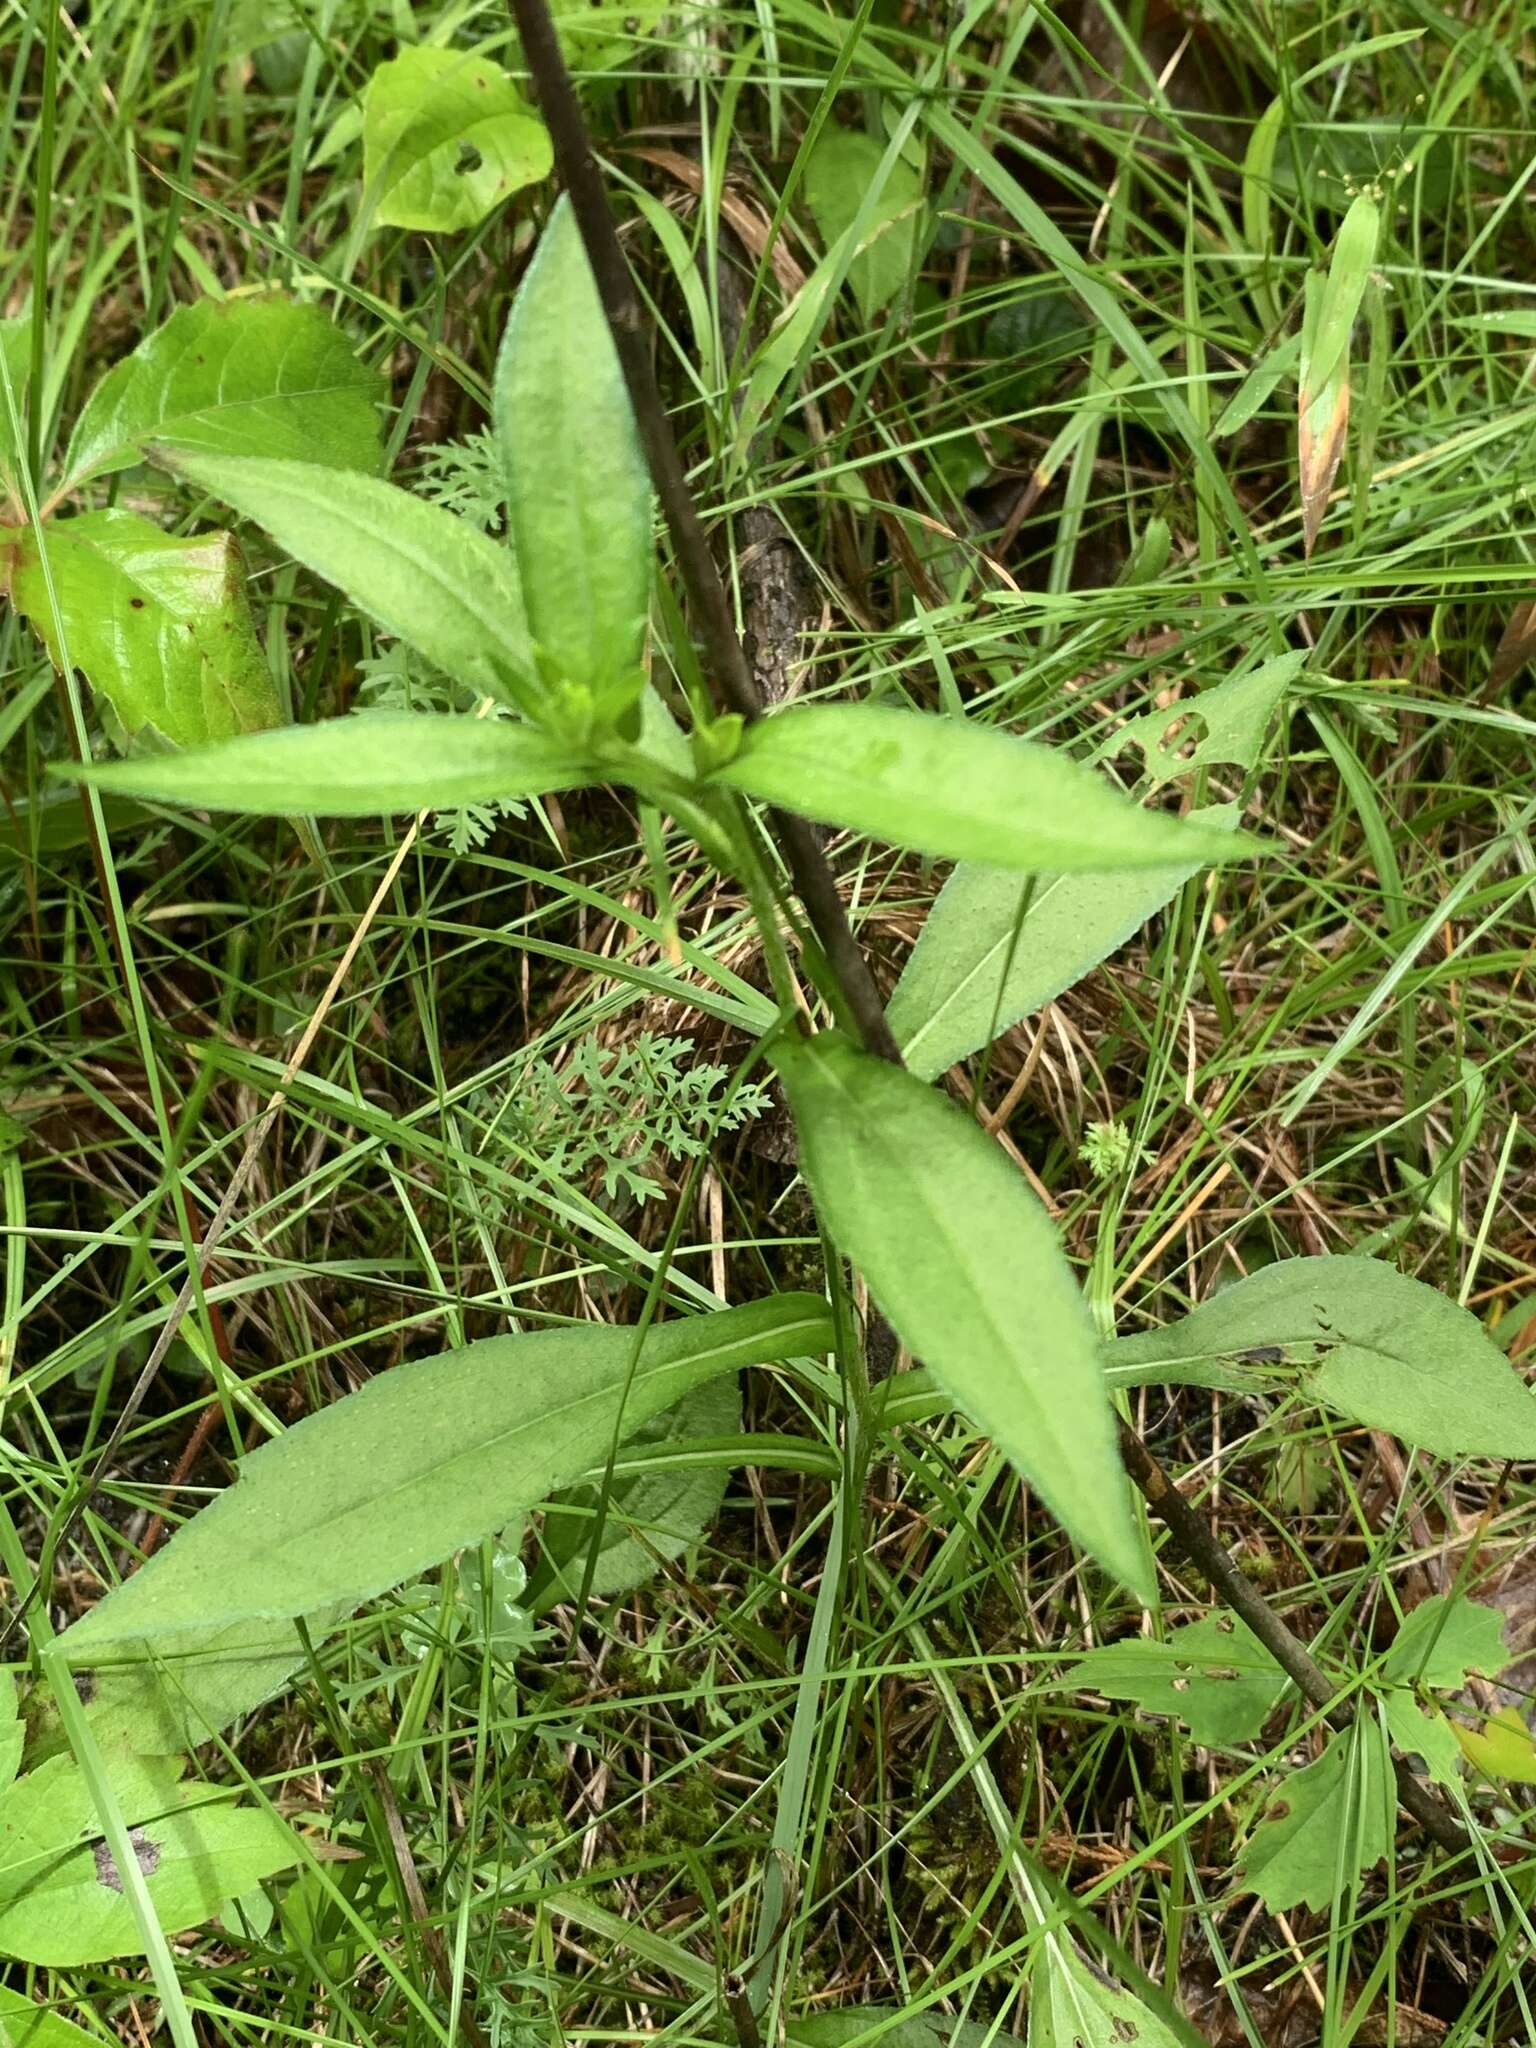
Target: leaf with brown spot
<point>1071,2006</point>
<point>1335,1819</point>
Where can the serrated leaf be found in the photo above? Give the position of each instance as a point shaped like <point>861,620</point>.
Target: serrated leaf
<point>960,791</point>
<point>1225,724</point>
<point>425,576</point>
<point>1324,1823</point>
<point>1501,1748</point>
<point>1071,2007</point>
<point>446,137</point>
<point>578,493</point>
<point>1361,1338</point>
<point>652,1517</point>
<point>1424,1732</point>
<point>1444,1640</point>
<point>263,376</point>
<point>62,1898</point>
<point>838,176</point>
<point>886,2026</point>
<point>967,1266</point>
<point>25,2024</point>
<point>1214,1674</point>
<point>160,626</point>
<point>356,767</point>
<point>435,1454</point>
<point>979,965</point>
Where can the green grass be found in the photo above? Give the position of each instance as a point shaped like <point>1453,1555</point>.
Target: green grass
<point>812,1747</point>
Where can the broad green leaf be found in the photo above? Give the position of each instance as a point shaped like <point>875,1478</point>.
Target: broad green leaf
<point>193,1684</point>
<point>1226,724</point>
<point>25,2024</point>
<point>1324,1823</point>
<point>356,767</point>
<point>424,1459</point>
<point>13,1734</point>
<point>577,488</point>
<point>160,626</point>
<point>652,1517</point>
<point>961,791</point>
<point>425,576</point>
<point>16,345</point>
<point>1359,1337</point>
<point>838,177</point>
<point>979,965</point>
<point>1501,1748</point>
<point>236,376</point>
<point>965,1263</point>
<point>887,2026</point>
<point>1444,1640</point>
<point>1418,1730</point>
<point>62,1899</point>
<point>1070,2007</point>
<point>1214,1674</point>
<point>446,136</point>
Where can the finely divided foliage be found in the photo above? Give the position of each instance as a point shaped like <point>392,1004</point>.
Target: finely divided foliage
<point>943,1311</point>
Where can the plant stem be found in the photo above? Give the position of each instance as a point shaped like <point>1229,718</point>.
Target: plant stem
<point>1201,1547</point>
<point>803,857</point>
<point>813,879</point>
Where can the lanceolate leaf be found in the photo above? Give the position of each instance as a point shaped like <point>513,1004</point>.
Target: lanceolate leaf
<point>1323,397</point>
<point>446,136</point>
<point>196,1682</point>
<point>62,1899</point>
<point>652,1517</point>
<point>1324,1823</point>
<point>965,1263</point>
<point>1361,1338</point>
<point>1214,1674</point>
<point>424,1459</point>
<point>577,487</point>
<point>962,791</point>
<point>980,965</point>
<point>160,626</point>
<point>356,767</point>
<point>838,179</point>
<point>235,377</point>
<point>422,574</point>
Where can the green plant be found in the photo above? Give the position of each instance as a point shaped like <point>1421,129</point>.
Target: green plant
<point>781,1679</point>
<point>955,1248</point>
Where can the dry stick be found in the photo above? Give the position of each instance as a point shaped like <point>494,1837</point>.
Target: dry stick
<point>219,1222</point>
<point>803,856</point>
